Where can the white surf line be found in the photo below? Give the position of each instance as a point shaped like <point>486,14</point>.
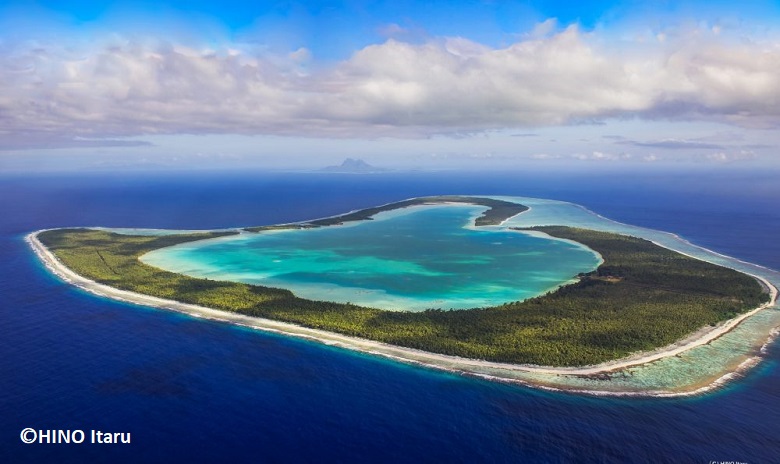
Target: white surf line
<point>408,355</point>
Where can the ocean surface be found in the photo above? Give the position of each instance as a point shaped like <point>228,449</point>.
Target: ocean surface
<point>190,390</point>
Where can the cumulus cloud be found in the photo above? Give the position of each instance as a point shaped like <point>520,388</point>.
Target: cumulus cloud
<point>399,89</point>
<point>601,156</point>
<point>545,156</point>
<point>730,157</point>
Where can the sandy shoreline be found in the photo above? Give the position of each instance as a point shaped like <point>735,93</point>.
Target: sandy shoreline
<point>474,367</point>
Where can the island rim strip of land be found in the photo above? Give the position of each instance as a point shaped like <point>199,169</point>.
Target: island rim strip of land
<point>474,367</point>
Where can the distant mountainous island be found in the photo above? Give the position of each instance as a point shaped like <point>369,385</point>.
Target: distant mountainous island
<point>351,165</point>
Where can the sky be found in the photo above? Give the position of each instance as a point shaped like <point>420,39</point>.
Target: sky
<point>402,84</point>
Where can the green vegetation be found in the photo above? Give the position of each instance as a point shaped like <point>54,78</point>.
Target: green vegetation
<point>498,211</point>
<point>643,296</point>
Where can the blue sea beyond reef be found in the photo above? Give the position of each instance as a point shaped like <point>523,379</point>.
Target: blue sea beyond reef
<point>190,390</point>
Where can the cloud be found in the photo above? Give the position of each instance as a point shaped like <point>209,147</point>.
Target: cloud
<point>545,156</point>
<point>673,144</point>
<point>601,156</point>
<point>544,29</point>
<point>730,157</point>
<point>20,141</point>
<point>449,86</point>
<point>398,32</point>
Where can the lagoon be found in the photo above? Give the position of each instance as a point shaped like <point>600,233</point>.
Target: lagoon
<point>410,259</point>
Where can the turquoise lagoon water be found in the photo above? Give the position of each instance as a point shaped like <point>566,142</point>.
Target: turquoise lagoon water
<point>411,259</point>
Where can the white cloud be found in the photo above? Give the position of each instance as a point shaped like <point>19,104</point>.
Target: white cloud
<point>544,156</point>
<point>544,29</point>
<point>602,156</point>
<point>730,157</point>
<point>444,86</point>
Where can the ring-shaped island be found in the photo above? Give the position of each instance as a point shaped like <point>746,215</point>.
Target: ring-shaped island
<point>637,316</point>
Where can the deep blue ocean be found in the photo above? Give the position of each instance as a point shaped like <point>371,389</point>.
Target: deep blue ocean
<point>192,391</point>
